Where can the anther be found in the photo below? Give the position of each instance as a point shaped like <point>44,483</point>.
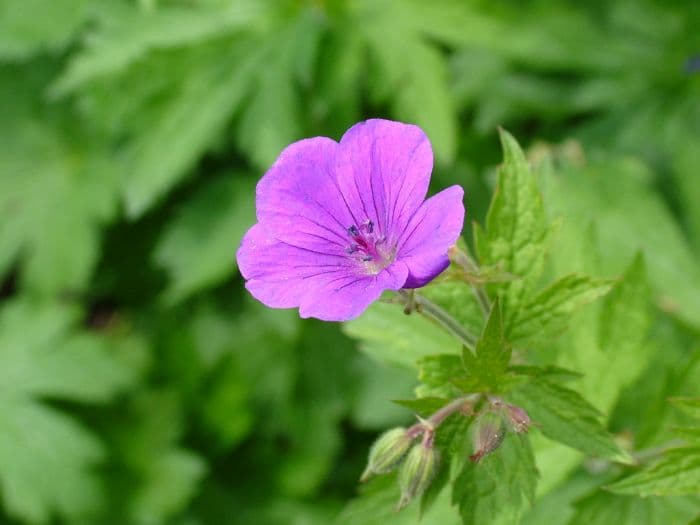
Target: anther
<point>353,231</point>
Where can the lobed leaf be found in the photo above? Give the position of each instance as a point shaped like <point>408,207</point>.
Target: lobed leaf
<point>516,229</point>
<point>492,354</point>
<point>677,473</point>
<point>198,246</point>
<point>389,335</point>
<point>563,415</point>
<point>601,508</point>
<point>550,309</point>
<point>499,488</point>
<point>47,458</point>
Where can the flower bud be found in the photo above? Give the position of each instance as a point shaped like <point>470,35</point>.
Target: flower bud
<point>417,472</point>
<point>488,435</point>
<point>387,452</point>
<point>518,418</point>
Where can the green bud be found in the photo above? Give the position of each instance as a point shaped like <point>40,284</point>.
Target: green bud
<point>489,432</point>
<point>417,472</point>
<point>387,452</point>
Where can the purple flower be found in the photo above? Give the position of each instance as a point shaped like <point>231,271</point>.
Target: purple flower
<point>339,223</point>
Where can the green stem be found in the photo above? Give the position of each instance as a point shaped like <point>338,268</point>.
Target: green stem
<point>450,408</point>
<point>641,456</point>
<point>427,427</point>
<point>429,309</point>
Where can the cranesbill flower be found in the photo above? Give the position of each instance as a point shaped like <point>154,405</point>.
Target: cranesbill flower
<point>339,223</point>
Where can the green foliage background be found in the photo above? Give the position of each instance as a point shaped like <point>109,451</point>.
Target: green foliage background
<point>139,384</point>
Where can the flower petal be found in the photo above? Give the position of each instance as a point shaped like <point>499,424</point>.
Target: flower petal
<point>299,200</point>
<point>279,274</point>
<point>345,297</point>
<point>431,231</point>
<point>383,170</point>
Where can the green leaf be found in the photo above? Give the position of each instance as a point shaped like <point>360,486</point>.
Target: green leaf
<point>551,309</point>
<point>30,27</point>
<point>198,247</point>
<point>556,372</point>
<point>225,408</point>
<point>690,405</point>
<point>161,475</point>
<point>50,163</point>
<point>188,117</point>
<point>677,473</point>
<point>409,74</point>
<point>169,483</point>
<point>516,230</point>
<point>498,489</point>
<point>376,505</point>
<point>270,121</point>
<point>375,384</point>
<point>443,375</point>
<point>42,357</point>
<point>452,440</point>
<point>126,33</point>
<point>597,193</point>
<point>389,335</point>
<point>563,415</point>
<point>492,354</point>
<point>423,406</point>
<point>601,508</point>
<point>610,339</point>
<point>456,298</point>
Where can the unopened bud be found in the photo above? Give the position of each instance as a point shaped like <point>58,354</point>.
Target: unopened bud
<point>417,472</point>
<point>387,452</point>
<point>488,435</point>
<point>518,418</point>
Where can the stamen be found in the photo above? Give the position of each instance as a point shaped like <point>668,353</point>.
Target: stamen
<point>369,247</point>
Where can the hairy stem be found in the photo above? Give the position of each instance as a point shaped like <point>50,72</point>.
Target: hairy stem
<point>641,456</point>
<point>453,406</point>
<point>416,302</point>
<point>427,427</point>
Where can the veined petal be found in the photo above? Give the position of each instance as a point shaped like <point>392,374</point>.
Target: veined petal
<point>383,170</point>
<point>341,298</point>
<point>299,199</point>
<point>431,231</point>
<point>279,274</point>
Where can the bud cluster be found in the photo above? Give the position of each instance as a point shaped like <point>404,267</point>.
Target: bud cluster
<point>417,472</point>
<point>387,452</point>
<point>493,423</point>
<point>417,462</point>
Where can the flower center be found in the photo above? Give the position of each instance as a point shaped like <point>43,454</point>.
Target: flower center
<point>369,247</point>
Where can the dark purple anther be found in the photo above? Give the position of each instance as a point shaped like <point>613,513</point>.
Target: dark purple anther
<point>353,231</point>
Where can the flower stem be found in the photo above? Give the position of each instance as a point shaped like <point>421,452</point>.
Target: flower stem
<point>450,408</point>
<point>641,456</point>
<point>428,427</point>
<point>425,306</point>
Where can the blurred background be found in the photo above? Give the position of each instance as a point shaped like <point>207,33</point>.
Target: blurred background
<point>139,384</point>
